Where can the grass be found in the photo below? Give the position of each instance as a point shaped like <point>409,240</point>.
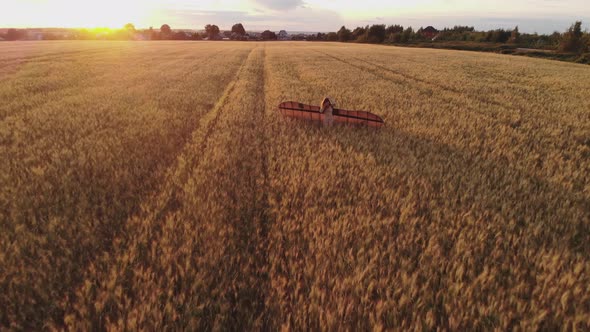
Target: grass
<point>152,185</point>
<point>549,54</point>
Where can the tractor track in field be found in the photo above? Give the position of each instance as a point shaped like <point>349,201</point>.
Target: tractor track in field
<point>178,173</point>
<point>246,218</point>
<point>501,118</point>
<point>438,86</point>
<point>434,85</point>
<point>71,89</point>
<point>92,269</point>
<point>263,250</point>
<point>65,55</point>
<point>247,221</point>
<point>165,201</point>
<point>11,66</point>
<point>51,55</point>
<point>430,90</point>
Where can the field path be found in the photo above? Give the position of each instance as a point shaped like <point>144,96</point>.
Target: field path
<point>173,242</point>
<point>96,133</point>
<point>154,186</point>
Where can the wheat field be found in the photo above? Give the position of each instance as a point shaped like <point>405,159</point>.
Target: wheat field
<point>154,186</point>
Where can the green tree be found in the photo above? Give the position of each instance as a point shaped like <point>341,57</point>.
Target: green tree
<point>572,39</point>
<point>320,37</point>
<point>165,31</point>
<point>153,35</point>
<point>344,34</point>
<point>376,34</point>
<point>498,36</point>
<point>514,36</point>
<point>212,31</point>
<point>179,35</point>
<point>360,34</point>
<point>128,32</point>
<point>332,36</point>
<point>407,35</point>
<point>394,29</point>
<point>269,35</point>
<point>238,29</point>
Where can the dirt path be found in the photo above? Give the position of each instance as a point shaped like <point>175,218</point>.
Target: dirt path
<point>188,227</point>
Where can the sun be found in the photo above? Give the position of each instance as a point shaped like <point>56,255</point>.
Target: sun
<point>77,14</point>
<point>106,13</point>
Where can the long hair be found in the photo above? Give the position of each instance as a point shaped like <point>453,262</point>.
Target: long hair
<point>325,103</point>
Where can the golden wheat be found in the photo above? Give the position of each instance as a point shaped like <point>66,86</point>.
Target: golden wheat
<point>153,186</point>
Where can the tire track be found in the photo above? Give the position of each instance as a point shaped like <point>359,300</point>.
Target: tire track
<point>504,119</point>
<point>429,93</point>
<point>237,286</point>
<point>213,236</point>
<point>144,227</point>
<point>9,67</point>
<point>54,55</point>
<point>263,246</point>
<point>201,136</point>
<point>107,224</point>
<point>437,86</point>
<point>82,80</point>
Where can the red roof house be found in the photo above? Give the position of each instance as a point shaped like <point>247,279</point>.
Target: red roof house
<point>429,32</point>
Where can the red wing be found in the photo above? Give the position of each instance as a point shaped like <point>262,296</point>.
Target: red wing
<point>358,117</point>
<point>297,110</point>
<point>293,105</point>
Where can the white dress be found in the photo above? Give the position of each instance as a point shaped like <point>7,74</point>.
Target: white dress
<point>328,116</point>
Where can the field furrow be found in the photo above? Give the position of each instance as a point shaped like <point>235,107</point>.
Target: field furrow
<point>155,186</point>
<point>413,178</point>
<point>114,145</point>
<point>513,83</point>
<point>205,235</point>
<point>512,133</point>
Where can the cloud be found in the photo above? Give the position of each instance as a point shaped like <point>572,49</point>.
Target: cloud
<point>313,19</point>
<point>281,5</point>
<point>300,19</point>
<point>543,16</point>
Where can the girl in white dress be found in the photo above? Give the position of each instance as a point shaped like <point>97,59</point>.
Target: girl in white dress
<point>327,108</point>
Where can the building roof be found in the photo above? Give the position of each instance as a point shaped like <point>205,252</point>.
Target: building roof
<point>430,29</point>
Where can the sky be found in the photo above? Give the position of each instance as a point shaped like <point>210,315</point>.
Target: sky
<point>542,16</point>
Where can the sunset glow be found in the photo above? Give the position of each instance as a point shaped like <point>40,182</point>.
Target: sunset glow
<point>67,13</point>
<point>311,15</point>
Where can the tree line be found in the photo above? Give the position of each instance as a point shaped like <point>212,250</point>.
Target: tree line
<point>129,32</point>
<point>572,40</point>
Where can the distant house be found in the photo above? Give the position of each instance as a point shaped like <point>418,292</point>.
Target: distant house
<point>34,34</point>
<point>237,36</point>
<point>283,35</point>
<point>254,36</point>
<point>140,36</point>
<point>430,32</point>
